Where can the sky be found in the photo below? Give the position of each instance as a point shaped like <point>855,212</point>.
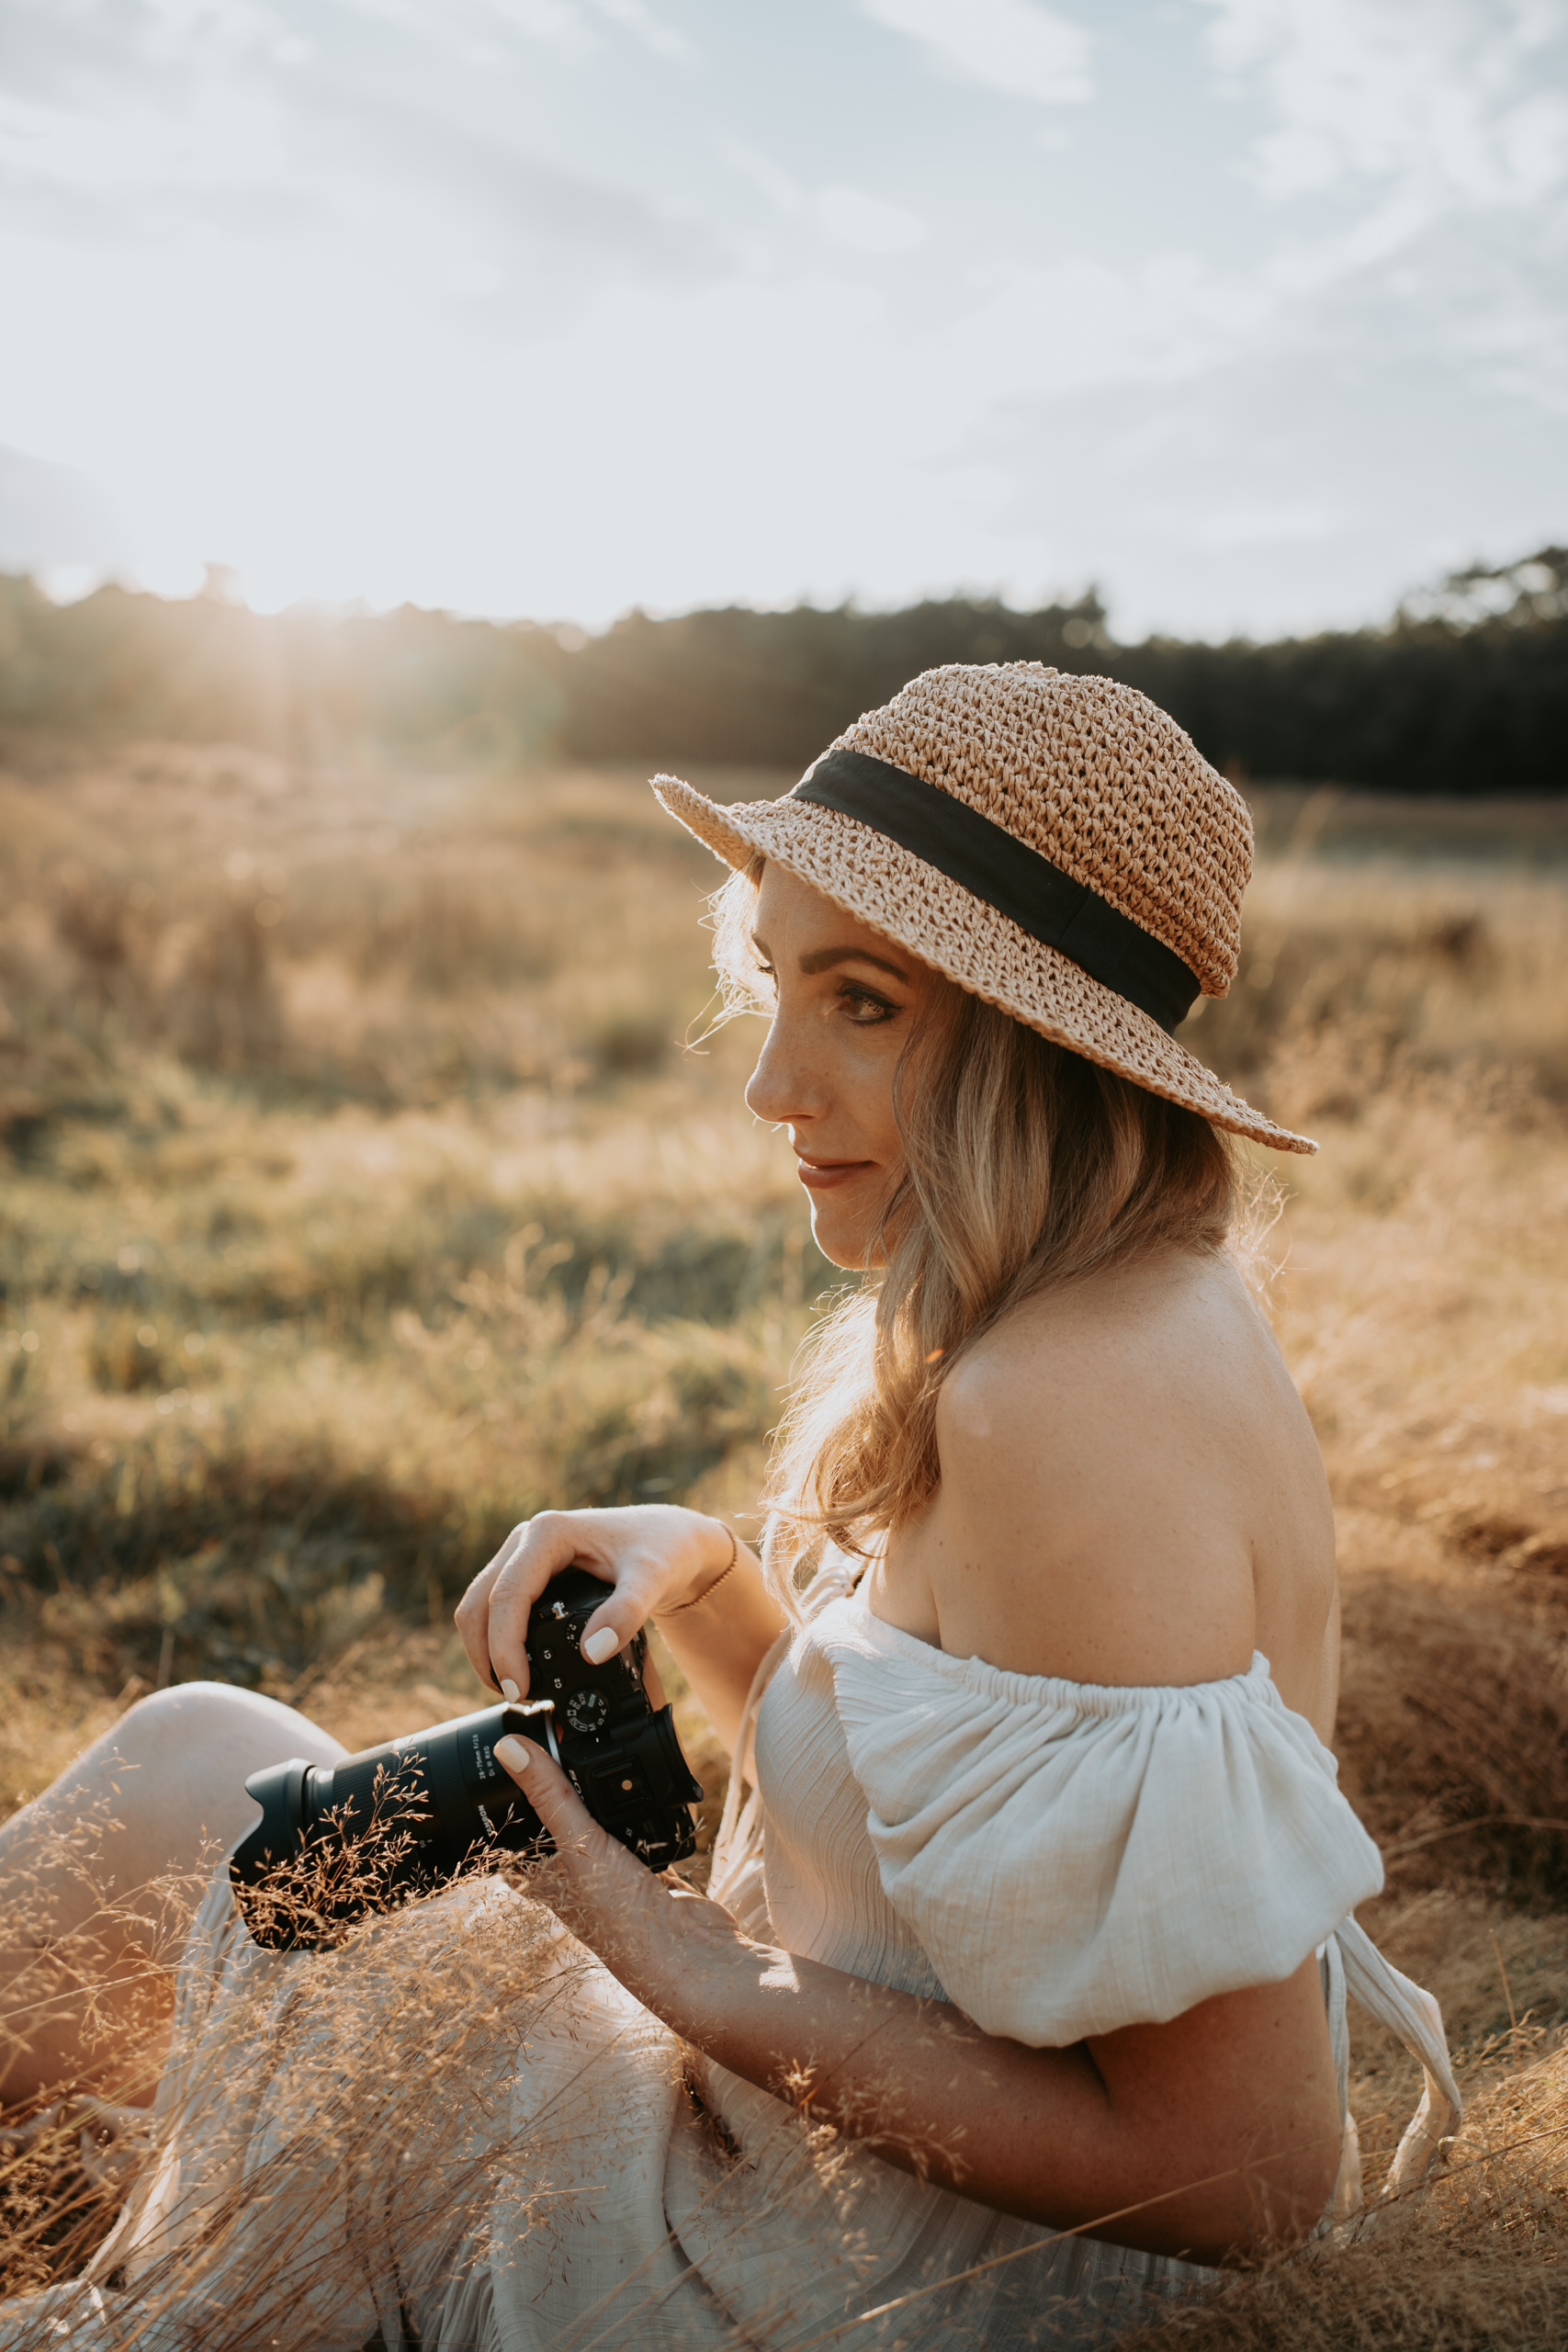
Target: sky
<point>1252,314</point>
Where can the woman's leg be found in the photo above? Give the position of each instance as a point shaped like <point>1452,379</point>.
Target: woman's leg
<point>101,1875</point>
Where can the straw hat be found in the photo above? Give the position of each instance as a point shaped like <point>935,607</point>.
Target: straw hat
<point>1054,843</point>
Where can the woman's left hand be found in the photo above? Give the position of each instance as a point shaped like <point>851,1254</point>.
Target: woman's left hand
<point>662,1940</point>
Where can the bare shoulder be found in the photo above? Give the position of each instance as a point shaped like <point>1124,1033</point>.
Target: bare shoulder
<point>1127,1473</point>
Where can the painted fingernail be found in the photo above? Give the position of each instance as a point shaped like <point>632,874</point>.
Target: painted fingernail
<point>509,1689</point>
<point>515,1754</point>
<point>601,1645</point>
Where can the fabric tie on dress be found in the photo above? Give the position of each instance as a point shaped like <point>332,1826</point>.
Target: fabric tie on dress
<point>1064,1859</point>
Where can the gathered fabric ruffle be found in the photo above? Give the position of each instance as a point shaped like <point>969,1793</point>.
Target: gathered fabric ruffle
<point>1075,1857</point>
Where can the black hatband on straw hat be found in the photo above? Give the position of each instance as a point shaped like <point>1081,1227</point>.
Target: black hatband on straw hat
<point>993,865</point>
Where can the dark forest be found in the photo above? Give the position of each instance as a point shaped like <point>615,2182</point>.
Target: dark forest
<point>1463,693</point>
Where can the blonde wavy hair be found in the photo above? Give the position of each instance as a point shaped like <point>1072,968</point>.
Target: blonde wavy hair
<point>1026,1167</point>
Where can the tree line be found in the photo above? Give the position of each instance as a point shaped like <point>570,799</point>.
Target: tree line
<point>1463,692</point>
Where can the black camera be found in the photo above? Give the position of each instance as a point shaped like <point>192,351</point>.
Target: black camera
<point>336,1842</point>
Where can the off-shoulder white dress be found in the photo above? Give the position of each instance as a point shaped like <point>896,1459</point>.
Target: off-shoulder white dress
<point>459,2132</point>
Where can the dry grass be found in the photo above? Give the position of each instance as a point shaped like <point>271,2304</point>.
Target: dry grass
<point>359,1200</point>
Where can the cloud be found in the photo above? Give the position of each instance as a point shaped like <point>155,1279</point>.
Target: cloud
<point>159,129</point>
<point>1438,130</point>
<point>1062,327</point>
<point>1015,46</point>
<point>452,189</point>
<point>563,25</point>
<point>482,30</point>
<point>782,190</point>
<point>848,216</point>
<point>867,224</point>
<point>1442,95</point>
<point>635,17</point>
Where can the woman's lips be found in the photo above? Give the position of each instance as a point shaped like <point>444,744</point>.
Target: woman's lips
<point>821,1175</point>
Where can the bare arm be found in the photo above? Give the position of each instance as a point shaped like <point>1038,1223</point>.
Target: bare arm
<point>661,1561</point>
<point>1210,2136</point>
<point>1095,1518</point>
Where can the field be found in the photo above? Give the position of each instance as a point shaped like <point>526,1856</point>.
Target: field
<point>362,1195</point>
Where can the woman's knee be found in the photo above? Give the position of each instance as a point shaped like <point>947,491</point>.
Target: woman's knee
<point>178,1762</point>
<point>217,1725</point>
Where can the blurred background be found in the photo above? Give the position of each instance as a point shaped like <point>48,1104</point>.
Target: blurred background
<point>420,420</point>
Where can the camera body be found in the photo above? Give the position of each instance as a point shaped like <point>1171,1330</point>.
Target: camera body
<point>337,1842</point>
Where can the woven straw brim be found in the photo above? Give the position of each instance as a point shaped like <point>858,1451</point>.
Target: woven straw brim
<point>895,892</point>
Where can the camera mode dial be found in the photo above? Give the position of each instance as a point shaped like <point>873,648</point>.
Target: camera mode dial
<point>588,1710</point>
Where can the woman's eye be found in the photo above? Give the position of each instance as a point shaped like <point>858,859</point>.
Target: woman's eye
<point>864,1006</point>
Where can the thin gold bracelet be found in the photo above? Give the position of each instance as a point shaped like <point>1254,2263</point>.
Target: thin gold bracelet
<point>728,1565</point>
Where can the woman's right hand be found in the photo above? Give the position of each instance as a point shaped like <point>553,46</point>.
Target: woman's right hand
<point>652,1556</point>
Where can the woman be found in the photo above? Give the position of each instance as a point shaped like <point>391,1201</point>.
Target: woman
<point>1020,1994</point>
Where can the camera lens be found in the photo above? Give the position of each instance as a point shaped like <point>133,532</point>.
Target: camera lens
<point>338,1841</point>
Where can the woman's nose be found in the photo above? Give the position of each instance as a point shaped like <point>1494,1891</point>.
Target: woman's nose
<point>779,1091</point>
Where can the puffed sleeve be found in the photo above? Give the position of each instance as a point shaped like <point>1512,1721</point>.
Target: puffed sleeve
<point>1075,1857</point>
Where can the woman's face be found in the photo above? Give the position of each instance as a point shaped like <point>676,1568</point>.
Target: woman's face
<point>845,1000</point>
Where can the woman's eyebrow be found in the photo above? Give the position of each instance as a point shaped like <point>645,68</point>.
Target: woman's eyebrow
<point>825,957</point>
